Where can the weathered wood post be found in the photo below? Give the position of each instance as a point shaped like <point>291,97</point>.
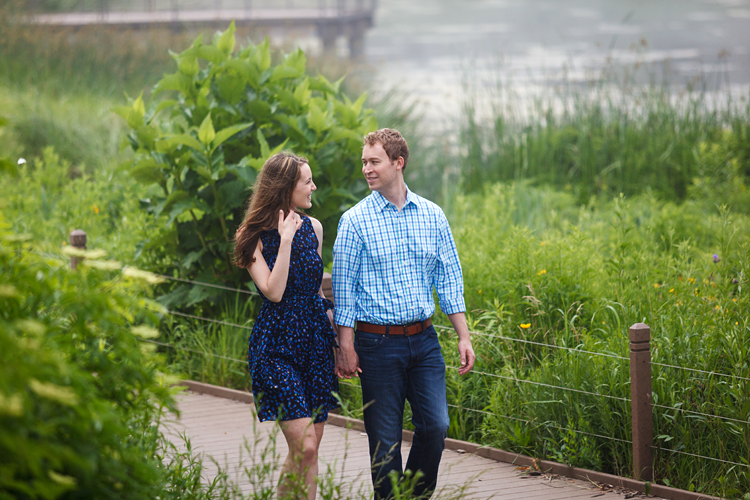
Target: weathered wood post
<point>327,286</point>
<point>640,400</point>
<point>77,240</point>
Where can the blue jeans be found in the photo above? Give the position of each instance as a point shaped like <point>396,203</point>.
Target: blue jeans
<point>395,368</point>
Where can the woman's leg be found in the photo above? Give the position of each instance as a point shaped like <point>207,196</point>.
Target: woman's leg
<point>303,439</point>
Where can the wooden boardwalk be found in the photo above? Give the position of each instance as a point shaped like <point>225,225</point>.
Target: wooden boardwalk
<point>218,428</point>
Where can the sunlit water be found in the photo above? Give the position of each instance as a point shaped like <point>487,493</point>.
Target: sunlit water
<point>434,48</point>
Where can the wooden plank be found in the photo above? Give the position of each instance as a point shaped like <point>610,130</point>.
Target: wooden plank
<point>218,428</point>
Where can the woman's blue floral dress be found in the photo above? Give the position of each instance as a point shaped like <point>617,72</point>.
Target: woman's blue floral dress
<point>291,348</point>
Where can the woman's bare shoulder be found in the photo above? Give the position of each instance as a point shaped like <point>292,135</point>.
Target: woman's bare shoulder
<point>317,226</point>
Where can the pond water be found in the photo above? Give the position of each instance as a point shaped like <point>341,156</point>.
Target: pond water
<point>434,47</point>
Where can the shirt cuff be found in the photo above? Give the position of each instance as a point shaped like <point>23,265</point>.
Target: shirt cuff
<point>344,317</point>
<point>453,305</point>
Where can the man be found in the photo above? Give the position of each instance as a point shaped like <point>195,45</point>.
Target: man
<point>392,248</point>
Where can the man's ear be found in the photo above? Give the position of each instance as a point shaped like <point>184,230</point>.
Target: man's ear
<point>400,163</point>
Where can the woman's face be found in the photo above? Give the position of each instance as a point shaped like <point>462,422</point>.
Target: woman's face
<point>302,194</point>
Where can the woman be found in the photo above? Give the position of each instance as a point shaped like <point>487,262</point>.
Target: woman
<point>291,347</point>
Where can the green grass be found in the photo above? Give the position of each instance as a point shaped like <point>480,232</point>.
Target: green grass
<point>578,277</point>
<point>602,140</point>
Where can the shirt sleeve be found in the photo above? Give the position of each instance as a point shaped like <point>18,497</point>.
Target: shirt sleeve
<point>449,281</point>
<point>347,264</point>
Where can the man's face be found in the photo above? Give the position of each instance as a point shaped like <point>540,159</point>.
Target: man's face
<point>380,172</point>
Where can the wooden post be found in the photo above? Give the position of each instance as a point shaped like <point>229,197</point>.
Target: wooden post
<point>640,400</point>
<point>77,240</point>
<point>327,286</point>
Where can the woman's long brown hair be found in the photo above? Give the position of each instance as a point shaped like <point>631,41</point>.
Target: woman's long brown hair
<point>272,192</point>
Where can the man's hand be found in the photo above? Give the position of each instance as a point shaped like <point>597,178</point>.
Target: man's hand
<point>467,356</point>
<point>347,361</point>
<point>458,320</point>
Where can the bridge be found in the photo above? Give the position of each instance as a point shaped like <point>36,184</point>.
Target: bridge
<point>221,425</point>
<point>330,19</point>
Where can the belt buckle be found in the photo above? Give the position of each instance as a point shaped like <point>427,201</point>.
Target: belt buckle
<point>406,333</point>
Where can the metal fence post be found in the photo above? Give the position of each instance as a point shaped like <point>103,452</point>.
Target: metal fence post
<point>77,240</point>
<point>640,400</point>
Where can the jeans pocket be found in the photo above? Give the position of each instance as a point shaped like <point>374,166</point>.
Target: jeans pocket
<point>367,341</point>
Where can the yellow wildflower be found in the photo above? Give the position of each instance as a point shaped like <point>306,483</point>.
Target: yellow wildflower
<point>656,285</point>
<point>525,325</point>
<point>691,280</point>
<point>671,290</point>
<point>543,271</point>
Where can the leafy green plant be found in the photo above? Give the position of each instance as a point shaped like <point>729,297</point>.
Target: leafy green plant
<point>79,393</point>
<point>229,113</point>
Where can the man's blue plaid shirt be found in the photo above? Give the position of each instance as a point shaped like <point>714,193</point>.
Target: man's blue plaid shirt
<point>386,263</point>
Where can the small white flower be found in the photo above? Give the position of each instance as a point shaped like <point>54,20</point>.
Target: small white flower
<point>21,161</point>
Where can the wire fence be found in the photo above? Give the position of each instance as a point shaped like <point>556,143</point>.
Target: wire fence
<point>475,372</point>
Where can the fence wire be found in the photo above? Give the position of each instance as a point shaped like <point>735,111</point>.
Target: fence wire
<point>691,412</point>
<point>543,384</point>
<point>546,424</point>
<point>500,337</point>
<point>551,346</point>
<point>700,456</point>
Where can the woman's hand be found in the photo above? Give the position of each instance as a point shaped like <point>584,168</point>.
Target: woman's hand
<point>289,225</point>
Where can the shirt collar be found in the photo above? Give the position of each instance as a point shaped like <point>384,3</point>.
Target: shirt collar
<point>381,202</point>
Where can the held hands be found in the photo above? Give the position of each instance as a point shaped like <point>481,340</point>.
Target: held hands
<point>347,362</point>
<point>289,225</point>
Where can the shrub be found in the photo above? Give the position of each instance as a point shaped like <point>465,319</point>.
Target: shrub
<point>227,116</point>
<point>79,393</point>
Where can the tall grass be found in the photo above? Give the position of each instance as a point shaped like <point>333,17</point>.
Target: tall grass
<point>578,277</point>
<point>599,139</point>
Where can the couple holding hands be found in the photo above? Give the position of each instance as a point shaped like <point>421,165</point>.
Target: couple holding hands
<point>392,248</point>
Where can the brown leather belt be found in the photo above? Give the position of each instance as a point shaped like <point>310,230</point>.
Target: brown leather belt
<point>407,330</point>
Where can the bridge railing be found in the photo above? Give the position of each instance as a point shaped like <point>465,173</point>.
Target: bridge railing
<point>339,7</point>
<point>640,406</point>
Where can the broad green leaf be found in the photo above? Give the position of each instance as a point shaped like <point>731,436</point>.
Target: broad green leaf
<point>260,110</point>
<point>321,84</point>
<point>167,204</point>
<point>244,172</point>
<point>224,134</point>
<point>182,206</point>
<point>123,111</point>
<point>182,139</point>
<point>147,171</point>
<point>281,72</point>
<point>317,118</point>
<point>302,93</point>
<point>263,55</point>
<point>357,106</point>
<point>211,53</point>
<point>231,87</point>
<point>189,65</point>
<point>176,81</point>
<point>139,107</point>
<point>226,41</point>
<point>265,150</point>
<point>154,108</point>
<point>206,132</point>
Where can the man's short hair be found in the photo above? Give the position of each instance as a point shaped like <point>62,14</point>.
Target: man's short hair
<point>392,141</point>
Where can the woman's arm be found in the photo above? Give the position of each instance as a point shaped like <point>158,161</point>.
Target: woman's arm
<point>273,283</point>
<point>318,228</point>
